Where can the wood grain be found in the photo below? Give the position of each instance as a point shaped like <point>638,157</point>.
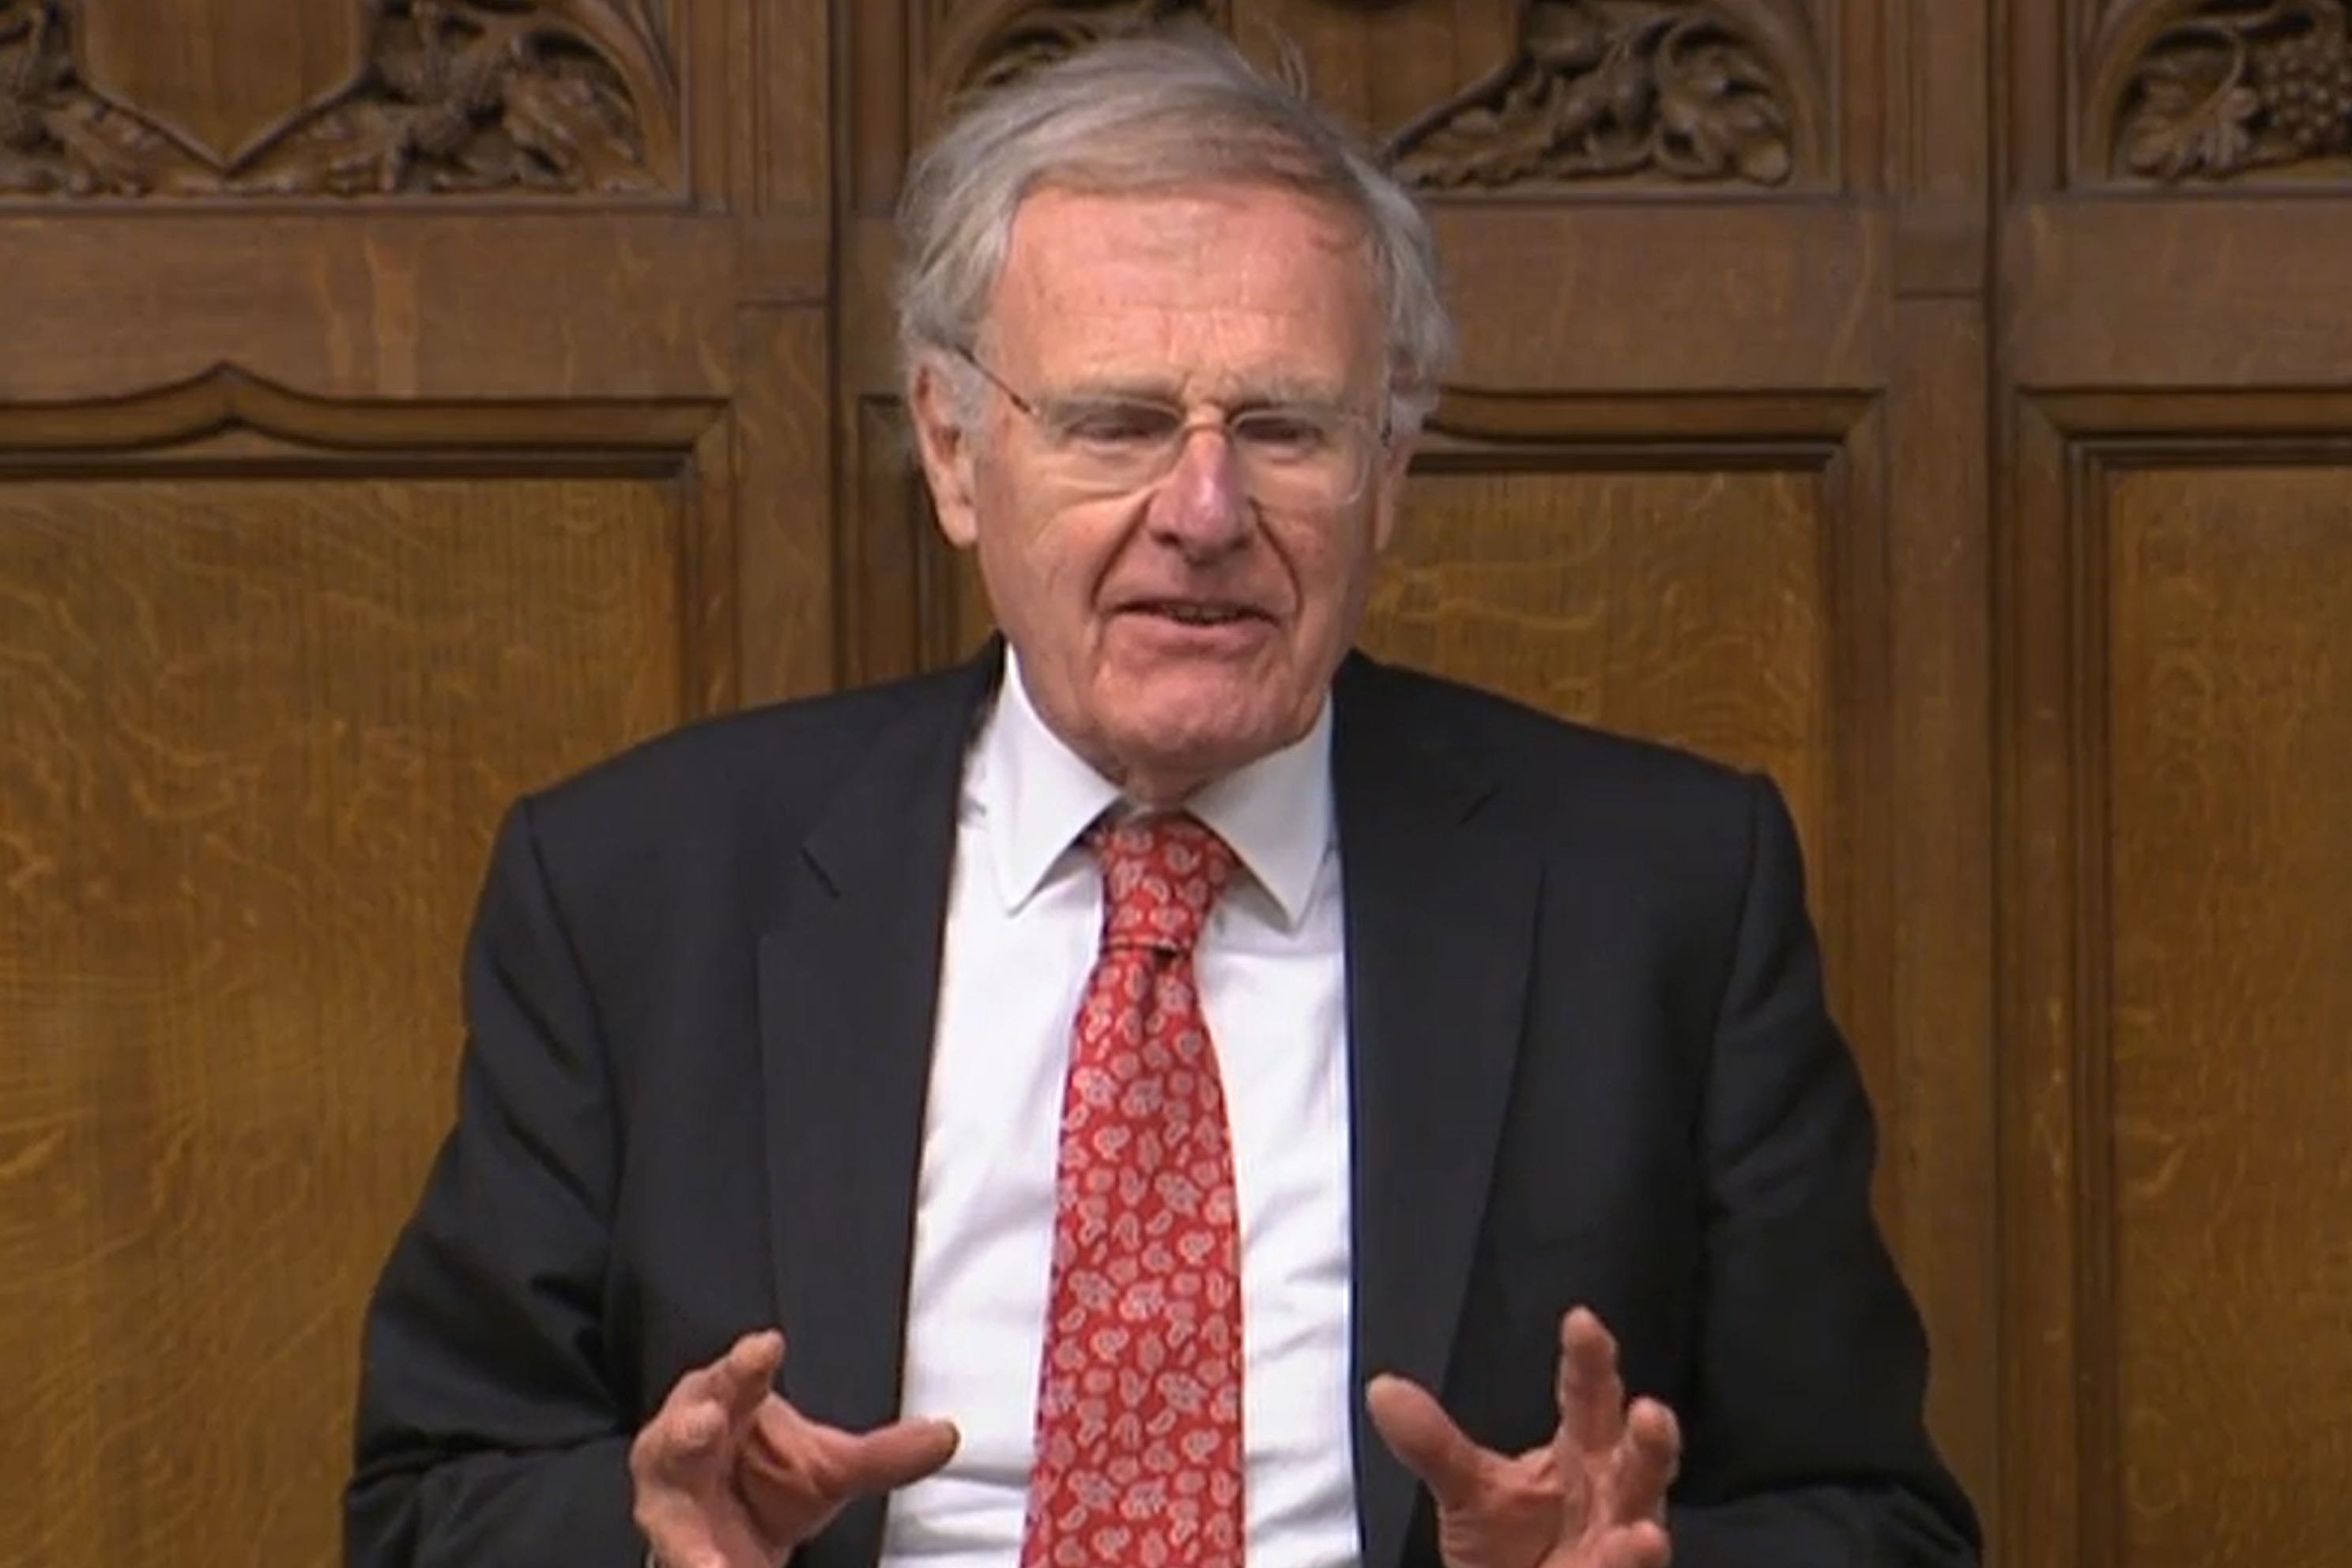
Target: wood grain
<point>911,602</point>
<point>1938,1105</point>
<point>1779,296</point>
<point>788,99</point>
<point>2053,1448</point>
<point>781,466</point>
<point>2229,972</point>
<point>2216,293</point>
<point>457,304</point>
<point>1689,607</point>
<point>2176,1188</point>
<point>223,77</point>
<point>254,735</point>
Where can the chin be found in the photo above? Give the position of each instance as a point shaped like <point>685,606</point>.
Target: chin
<point>1207,741</point>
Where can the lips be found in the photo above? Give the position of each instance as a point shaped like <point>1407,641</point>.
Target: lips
<point>1195,611</point>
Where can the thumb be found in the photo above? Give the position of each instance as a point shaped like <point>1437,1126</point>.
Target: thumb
<point>1425,1439</point>
<point>895,1455</point>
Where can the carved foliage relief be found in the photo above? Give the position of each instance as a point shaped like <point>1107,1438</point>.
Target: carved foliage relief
<point>1660,90</point>
<point>534,96</point>
<point>2221,91</point>
<point>1616,89</point>
<point>1037,34</point>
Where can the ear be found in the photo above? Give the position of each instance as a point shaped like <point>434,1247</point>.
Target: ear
<point>1388,487</point>
<point>947,450</point>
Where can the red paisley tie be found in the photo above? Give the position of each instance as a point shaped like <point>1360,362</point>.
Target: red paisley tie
<point>1140,1401</point>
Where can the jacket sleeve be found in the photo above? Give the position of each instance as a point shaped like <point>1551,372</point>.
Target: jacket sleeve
<point>1806,1439</point>
<point>489,1428</point>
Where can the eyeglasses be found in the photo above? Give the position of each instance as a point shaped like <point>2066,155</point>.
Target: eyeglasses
<point>1291,456</point>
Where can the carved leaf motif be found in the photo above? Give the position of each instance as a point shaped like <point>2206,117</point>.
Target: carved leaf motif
<point>1038,34</point>
<point>2237,88</point>
<point>1606,88</point>
<point>2180,127</point>
<point>630,37</point>
<point>556,96</point>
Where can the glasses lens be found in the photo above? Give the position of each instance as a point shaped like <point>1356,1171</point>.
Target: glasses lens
<point>1296,457</point>
<point>1112,443</point>
<point>1302,456</point>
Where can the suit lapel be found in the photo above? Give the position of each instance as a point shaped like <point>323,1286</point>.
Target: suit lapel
<point>1441,907</point>
<point>848,988</point>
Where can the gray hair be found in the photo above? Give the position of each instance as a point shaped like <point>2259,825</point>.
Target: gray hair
<point>1141,113</point>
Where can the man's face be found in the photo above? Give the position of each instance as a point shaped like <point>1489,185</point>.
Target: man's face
<point>1174,632</point>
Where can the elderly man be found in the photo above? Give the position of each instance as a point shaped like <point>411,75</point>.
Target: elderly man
<point>1174,1091</point>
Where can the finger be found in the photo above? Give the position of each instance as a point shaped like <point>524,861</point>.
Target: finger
<point>746,1374</point>
<point>1591,1394</point>
<point>715,1380</point>
<point>1646,1462</point>
<point>689,1437</point>
<point>683,1539</point>
<point>684,1444</point>
<point>1643,1545</point>
<point>1427,1441</point>
<point>892,1456</point>
<point>678,1462</point>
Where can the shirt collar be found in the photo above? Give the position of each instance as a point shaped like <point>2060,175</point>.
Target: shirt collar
<point>1039,796</point>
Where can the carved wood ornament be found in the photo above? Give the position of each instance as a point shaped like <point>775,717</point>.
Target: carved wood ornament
<point>1600,90</point>
<point>1039,34</point>
<point>983,48</point>
<point>1671,90</point>
<point>435,96</point>
<point>2220,90</point>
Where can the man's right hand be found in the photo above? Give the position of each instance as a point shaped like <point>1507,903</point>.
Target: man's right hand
<point>728,1475</point>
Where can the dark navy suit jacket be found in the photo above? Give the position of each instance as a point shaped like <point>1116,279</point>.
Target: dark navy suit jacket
<point>1590,1061</point>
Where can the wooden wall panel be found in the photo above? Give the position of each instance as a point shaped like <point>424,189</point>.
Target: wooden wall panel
<point>1692,607</point>
<point>373,446</point>
<point>2227,963</point>
<point>2177,987</point>
<point>255,732</point>
<point>2172,407</point>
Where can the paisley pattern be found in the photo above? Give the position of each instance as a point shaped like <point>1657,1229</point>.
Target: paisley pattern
<point>1139,1398</point>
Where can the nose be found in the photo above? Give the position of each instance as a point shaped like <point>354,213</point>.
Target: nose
<point>1200,507</point>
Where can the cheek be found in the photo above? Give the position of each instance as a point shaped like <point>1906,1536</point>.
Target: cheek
<point>1042,565</point>
<point>1331,567</point>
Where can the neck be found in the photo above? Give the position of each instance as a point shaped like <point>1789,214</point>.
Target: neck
<point>1153,790</point>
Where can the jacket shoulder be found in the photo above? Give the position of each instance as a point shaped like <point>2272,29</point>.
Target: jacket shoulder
<point>777,763</point>
<point>1543,764</point>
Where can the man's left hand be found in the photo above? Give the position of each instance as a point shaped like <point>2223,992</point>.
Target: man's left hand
<point>1594,1497</point>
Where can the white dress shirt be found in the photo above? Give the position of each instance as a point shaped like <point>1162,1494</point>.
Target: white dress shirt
<point>1024,913</point>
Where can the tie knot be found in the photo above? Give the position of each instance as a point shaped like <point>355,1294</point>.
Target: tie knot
<point>1162,876</point>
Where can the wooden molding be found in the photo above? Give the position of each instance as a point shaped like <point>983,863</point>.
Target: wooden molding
<point>228,397</point>
<point>1784,429</point>
<point>229,420</point>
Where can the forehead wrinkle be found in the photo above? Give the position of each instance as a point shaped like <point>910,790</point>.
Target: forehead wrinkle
<point>1164,372</point>
<point>1181,296</point>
